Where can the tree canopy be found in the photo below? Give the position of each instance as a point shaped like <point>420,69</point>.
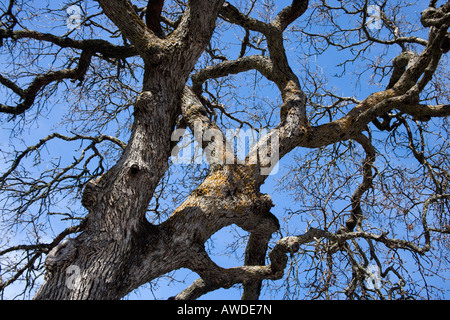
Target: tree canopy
<point>307,140</point>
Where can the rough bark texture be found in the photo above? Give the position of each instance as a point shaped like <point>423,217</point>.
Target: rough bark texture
<point>118,249</point>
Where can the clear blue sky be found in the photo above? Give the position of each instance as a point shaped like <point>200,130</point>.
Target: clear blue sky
<point>34,132</point>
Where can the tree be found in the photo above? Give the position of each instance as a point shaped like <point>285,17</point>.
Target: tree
<point>368,161</point>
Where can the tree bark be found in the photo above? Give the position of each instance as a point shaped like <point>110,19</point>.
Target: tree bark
<point>118,249</point>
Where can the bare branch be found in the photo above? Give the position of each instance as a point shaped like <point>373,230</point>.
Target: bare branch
<point>233,15</point>
<point>290,13</point>
<point>132,26</point>
<point>43,141</point>
<point>40,82</point>
<point>105,48</point>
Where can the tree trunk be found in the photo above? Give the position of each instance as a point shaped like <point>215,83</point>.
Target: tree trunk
<point>118,249</point>
<point>117,204</point>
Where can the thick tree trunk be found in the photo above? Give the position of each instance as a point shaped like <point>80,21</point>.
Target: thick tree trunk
<point>116,227</point>
<point>118,250</point>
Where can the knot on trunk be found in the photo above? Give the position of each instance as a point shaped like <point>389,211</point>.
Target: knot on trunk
<point>62,253</point>
<point>145,102</point>
<point>257,218</point>
<point>90,194</point>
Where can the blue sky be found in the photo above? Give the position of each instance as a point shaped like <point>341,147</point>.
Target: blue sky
<point>326,63</point>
